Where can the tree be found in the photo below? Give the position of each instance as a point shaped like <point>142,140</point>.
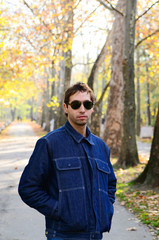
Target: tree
<point>67,53</point>
<point>113,125</point>
<point>146,62</point>
<point>128,154</point>
<point>96,116</point>
<point>116,35</point>
<point>150,175</point>
<point>138,115</point>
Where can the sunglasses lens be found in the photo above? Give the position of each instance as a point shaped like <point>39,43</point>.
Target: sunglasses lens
<point>88,105</point>
<point>75,104</point>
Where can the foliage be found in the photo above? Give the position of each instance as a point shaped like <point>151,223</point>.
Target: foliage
<point>146,26</point>
<point>35,37</point>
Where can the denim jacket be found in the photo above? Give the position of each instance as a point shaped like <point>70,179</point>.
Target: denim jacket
<point>70,180</point>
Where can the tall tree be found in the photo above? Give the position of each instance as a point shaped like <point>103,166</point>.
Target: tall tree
<point>150,175</point>
<point>128,154</point>
<point>138,115</point>
<point>96,116</point>
<point>67,54</point>
<point>148,98</point>
<point>113,125</point>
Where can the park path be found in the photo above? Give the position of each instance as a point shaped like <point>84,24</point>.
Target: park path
<point>18,221</point>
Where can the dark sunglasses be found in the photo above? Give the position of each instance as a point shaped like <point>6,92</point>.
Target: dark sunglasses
<point>76,104</point>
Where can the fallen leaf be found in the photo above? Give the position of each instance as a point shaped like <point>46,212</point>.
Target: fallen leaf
<point>122,203</point>
<point>131,229</point>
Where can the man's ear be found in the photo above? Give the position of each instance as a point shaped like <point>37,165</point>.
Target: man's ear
<point>65,108</point>
<point>93,108</point>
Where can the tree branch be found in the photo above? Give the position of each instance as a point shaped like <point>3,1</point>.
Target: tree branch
<point>102,95</point>
<point>105,5</point>
<point>83,64</point>
<point>111,8</point>
<point>146,11</point>
<point>145,38</point>
<point>45,24</point>
<point>86,19</point>
<point>25,3</point>
<point>99,60</point>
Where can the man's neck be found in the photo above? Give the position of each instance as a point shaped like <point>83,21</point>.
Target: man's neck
<point>79,128</point>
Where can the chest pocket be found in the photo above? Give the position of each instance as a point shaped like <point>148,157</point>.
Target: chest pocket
<point>103,172</point>
<point>69,173</point>
<point>102,166</point>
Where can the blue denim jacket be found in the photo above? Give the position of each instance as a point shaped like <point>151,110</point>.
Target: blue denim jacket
<point>70,180</point>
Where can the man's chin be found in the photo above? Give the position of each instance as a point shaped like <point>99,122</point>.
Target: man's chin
<point>82,123</point>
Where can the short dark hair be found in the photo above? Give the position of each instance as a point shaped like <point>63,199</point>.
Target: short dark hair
<point>81,87</point>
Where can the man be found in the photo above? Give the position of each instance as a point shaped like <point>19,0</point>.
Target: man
<point>69,178</point>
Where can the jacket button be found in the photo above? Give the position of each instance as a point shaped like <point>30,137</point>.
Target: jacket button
<point>69,165</point>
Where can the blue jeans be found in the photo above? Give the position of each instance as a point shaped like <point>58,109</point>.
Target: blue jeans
<point>54,239</point>
<point>59,239</point>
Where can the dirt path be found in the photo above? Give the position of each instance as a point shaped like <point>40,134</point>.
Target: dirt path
<point>18,221</point>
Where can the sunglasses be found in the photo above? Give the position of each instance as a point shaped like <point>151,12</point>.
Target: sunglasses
<point>76,104</point>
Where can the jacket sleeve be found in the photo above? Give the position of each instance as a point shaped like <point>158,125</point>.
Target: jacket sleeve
<point>33,183</point>
<point>111,182</point>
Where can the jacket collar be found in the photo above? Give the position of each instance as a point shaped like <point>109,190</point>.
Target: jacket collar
<point>77,136</point>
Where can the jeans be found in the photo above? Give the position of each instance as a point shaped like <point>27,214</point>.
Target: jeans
<point>62,239</point>
<point>54,239</point>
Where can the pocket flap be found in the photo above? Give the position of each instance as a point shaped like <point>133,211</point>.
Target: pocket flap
<point>103,166</point>
<point>68,163</point>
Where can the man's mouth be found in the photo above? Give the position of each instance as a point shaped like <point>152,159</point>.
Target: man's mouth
<point>82,117</point>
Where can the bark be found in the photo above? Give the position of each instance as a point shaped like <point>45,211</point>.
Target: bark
<point>113,125</point>
<point>67,63</point>
<point>43,115</point>
<point>47,100</point>
<point>97,114</point>
<point>13,112</point>
<point>150,175</point>
<point>148,99</point>
<point>59,112</point>
<point>128,154</point>
<point>138,117</point>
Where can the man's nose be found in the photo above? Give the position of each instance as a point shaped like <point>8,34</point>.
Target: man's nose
<point>82,108</point>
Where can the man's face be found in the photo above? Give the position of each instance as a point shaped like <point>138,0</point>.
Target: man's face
<point>81,115</point>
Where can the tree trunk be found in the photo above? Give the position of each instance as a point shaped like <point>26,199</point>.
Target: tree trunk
<point>67,67</point>
<point>138,117</point>
<point>113,125</point>
<point>13,112</point>
<point>148,98</point>
<point>59,93</point>
<point>43,115</point>
<point>47,117</point>
<point>128,154</point>
<point>97,113</point>
<point>150,175</point>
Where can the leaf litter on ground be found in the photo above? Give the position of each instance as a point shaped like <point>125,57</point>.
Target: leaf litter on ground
<point>142,200</point>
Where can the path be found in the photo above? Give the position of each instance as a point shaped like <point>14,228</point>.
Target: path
<point>18,221</point>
